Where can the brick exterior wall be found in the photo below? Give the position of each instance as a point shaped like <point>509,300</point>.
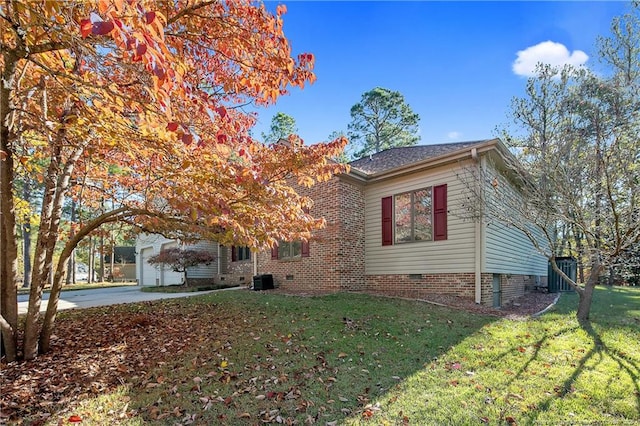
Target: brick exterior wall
<point>236,272</point>
<point>336,253</point>
<point>419,286</point>
<point>511,287</point>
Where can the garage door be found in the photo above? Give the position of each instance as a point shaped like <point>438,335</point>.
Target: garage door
<point>147,270</point>
<point>168,276</point>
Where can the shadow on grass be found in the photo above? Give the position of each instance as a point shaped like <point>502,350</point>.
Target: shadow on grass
<point>607,320</point>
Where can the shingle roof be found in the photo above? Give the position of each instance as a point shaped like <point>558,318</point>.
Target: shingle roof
<point>393,158</point>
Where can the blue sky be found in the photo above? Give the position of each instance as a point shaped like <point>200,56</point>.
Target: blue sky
<point>452,61</point>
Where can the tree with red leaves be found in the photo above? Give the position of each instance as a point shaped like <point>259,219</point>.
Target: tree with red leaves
<point>180,260</point>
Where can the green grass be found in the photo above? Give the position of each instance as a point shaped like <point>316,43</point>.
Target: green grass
<point>267,358</point>
<point>544,371</point>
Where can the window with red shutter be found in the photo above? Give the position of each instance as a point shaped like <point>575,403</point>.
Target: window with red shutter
<point>274,252</point>
<point>440,212</point>
<point>387,221</point>
<point>234,254</point>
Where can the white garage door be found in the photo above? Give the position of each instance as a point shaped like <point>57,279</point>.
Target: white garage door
<point>168,276</point>
<point>147,270</point>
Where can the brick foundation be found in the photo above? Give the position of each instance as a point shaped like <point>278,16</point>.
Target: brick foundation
<point>418,286</point>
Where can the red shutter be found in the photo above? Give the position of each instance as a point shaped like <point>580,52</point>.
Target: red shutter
<point>387,221</point>
<point>234,254</point>
<point>274,252</point>
<point>440,212</point>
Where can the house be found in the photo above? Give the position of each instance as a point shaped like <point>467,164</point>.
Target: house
<point>398,224</point>
<point>220,271</point>
<point>121,263</point>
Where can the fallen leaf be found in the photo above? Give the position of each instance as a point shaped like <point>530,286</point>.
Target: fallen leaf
<point>75,419</point>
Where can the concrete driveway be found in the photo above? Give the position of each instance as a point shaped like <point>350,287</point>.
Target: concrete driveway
<point>103,297</point>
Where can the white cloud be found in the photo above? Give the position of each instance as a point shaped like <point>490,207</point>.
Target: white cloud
<point>547,52</point>
<point>454,135</point>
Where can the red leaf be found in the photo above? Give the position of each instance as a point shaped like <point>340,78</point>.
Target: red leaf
<point>187,139</point>
<point>130,42</point>
<point>241,152</point>
<point>85,27</point>
<point>159,72</point>
<point>75,419</point>
<point>150,16</point>
<point>102,27</point>
<point>222,138</point>
<point>222,111</point>
<point>172,127</point>
<point>141,49</point>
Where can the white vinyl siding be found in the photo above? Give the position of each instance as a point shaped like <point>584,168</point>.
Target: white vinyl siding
<point>507,250</point>
<point>204,271</point>
<point>453,255</point>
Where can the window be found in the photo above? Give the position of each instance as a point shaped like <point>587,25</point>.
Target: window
<point>240,253</point>
<point>413,216</point>
<point>290,250</point>
<point>419,215</point>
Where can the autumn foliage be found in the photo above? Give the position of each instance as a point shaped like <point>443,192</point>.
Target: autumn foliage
<point>135,110</point>
<point>179,260</point>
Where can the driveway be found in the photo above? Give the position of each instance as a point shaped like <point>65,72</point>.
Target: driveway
<point>103,297</point>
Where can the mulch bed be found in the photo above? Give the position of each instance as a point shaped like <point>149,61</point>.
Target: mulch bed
<point>522,307</point>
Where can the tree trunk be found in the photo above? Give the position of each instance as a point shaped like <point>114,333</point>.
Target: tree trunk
<point>586,296</point>
<point>45,242</point>
<point>101,258</point>
<point>113,261</point>
<point>8,246</point>
<point>44,342</point>
<point>91,260</point>
<point>71,266</point>
<point>26,235</point>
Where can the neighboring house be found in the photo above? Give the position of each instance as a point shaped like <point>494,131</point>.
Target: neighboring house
<point>123,261</point>
<point>232,266</point>
<point>396,224</point>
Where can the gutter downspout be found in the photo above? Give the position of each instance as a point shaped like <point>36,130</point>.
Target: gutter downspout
<point>478,232</point>
<point>218,260</point>
<point>255,263</point>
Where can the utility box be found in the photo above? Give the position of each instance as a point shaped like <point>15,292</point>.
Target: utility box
<point>263,282</point>
<point>568,265</point>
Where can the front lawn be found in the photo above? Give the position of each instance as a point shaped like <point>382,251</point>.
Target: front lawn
<point>246,357</point>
